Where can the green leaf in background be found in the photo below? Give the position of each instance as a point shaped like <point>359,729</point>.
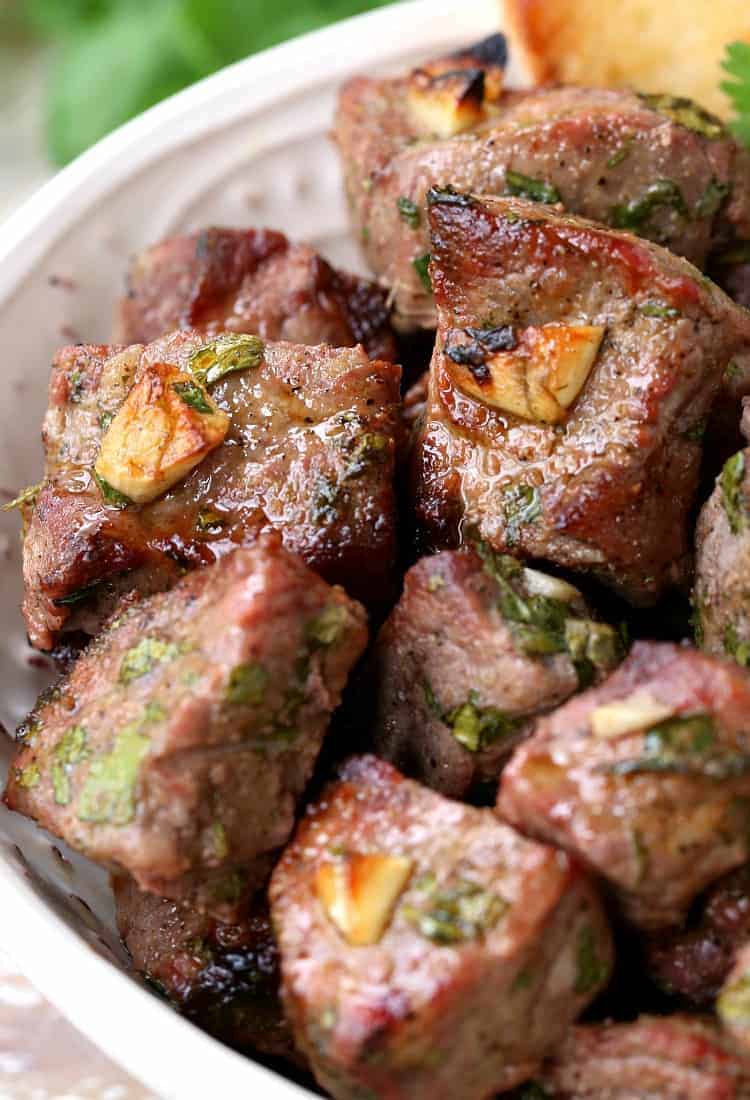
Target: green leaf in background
<point>737,64</point>
<point>115,58</point>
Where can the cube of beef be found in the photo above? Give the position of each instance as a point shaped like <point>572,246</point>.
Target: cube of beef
<point>309,450</point>
<point>224,977</point>
<point>659,166</point>
<point>573,372</point>
<point>474,650</point>
<point>645,778</point>
<point>721,595</point>
<point>253,281</point>
<point>425,948</point>
<point>652,1058</point>
<point>180,743</point>
<point>694,960</point>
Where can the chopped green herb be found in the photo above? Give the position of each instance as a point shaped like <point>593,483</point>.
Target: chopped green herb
<point>111,495</point>
<point>194,396</point>
<point>593,644</point>
<point>28,777</point>
<point>69,750</point>
<point>686,113</point>
<point>592,970</point>
<point>409,211</point>
<point>26,497</point>
<point>732,497</point>
<point>365,234</point>
<point>327,628</point>
<point>732,372</point>
<point>105,420</point>
<point>660,310</point>
<point>476,727</point>
<point>108,795</point>
<point>225,355</point>
<point>247,684</point>
<point>522,504</point>
<point>422,267</point>
<point>735,647</point>
<point>525,187</point>
<point>620,154</point>
<point>461,912</point>
<point>371,447</point>
<point>144,656</point>
<point>712,199</point>
<point>219,840</point>
<point>635,214</point>
<point>432,700</point>
<point>684,746</point>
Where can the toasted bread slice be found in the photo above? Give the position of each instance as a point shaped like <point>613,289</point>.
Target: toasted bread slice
<point>653,45</point>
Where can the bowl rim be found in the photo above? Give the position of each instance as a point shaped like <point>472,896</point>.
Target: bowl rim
<point>163,1050</point>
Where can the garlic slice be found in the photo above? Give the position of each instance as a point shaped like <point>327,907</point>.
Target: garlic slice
<point>164,428</point>
<point>630,715</point>
<point>358,893</point>
<point>445,99</point>
<point>553,588</point>
<point>540,378</point>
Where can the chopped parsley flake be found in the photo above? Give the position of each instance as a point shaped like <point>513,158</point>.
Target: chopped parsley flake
<point>225,355</point>
<point>247,684</point>
<point>525,187</point>
<point>732,499</point>
<point>409,211</point>
<point>422,267</point>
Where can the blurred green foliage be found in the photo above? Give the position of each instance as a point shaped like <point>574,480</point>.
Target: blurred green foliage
<point>114,58</point>
<point>737,65</point>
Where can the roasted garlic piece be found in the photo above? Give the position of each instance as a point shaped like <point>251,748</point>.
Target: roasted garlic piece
<point>538,377</point>
<point>165,427</point>
<point>637,712</point>
<point>358,893</point>
<point>454,93</point>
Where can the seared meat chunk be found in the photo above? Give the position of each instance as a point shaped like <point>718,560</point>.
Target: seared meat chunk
<point>224,977</point>
<point>652,1058</point>
<point>425,948</point>
<point>722,560</point>
<point>693,961</point>
<point>660,167</point>
<point>573,371</point>
<point>474,650</point>
<point>254,281</point>
<point>309,450</point>
<point>179,744</point>
<point>733,1005</point>
<point>645,778</point>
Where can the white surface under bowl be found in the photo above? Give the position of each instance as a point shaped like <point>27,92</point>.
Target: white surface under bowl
<point>248,146</point>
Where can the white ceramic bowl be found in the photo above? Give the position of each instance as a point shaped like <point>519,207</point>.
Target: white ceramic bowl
<point>246,147</point>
